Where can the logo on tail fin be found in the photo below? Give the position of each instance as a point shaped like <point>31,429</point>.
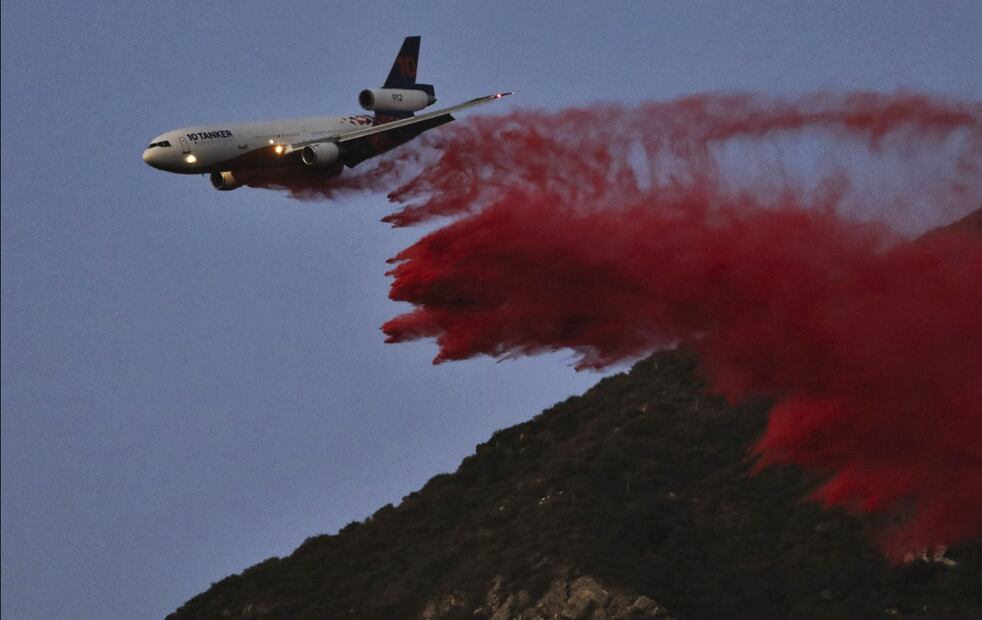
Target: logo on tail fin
<point>407,67</point>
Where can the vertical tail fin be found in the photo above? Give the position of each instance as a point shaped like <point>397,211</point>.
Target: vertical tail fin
<point>403,73</point>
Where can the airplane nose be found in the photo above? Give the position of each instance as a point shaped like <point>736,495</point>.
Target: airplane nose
<point>152,158</point>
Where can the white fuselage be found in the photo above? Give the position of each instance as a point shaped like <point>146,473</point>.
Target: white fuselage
<point>227,146</point>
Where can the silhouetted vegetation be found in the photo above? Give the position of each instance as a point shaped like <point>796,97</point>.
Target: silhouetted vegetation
<point>642,484</point>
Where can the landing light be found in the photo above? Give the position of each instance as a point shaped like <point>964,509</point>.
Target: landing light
<point>191,158</point>
<point>279,149</point>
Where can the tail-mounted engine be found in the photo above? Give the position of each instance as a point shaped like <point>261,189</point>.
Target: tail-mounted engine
<point>395,99</point>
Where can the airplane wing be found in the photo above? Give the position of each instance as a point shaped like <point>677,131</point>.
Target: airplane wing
<point>361,144</point>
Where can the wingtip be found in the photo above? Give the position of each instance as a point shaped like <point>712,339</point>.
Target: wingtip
<point>504,94</point>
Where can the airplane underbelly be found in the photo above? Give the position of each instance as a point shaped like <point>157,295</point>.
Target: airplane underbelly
<point>262,157</point>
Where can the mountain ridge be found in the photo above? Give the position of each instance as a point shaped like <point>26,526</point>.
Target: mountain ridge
<point>630,501</point>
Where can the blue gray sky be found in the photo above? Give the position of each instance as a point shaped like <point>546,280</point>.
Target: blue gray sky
<point>193,381</point>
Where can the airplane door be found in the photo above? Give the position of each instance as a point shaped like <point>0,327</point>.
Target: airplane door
<point>185,148</point>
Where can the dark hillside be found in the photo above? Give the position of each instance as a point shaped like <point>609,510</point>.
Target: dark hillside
<point>629,501</point>
<point>969,226</point>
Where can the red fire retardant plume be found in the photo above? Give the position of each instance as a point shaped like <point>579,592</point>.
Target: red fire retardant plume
<point>872,351</point>
<point>773,236</point>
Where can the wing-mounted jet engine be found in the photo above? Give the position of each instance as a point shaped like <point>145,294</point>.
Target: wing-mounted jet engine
<point>224,181</point>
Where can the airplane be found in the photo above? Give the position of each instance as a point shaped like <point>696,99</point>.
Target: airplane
<point>317,148</point>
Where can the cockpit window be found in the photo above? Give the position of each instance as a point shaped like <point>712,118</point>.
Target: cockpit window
<point>163,143</point>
